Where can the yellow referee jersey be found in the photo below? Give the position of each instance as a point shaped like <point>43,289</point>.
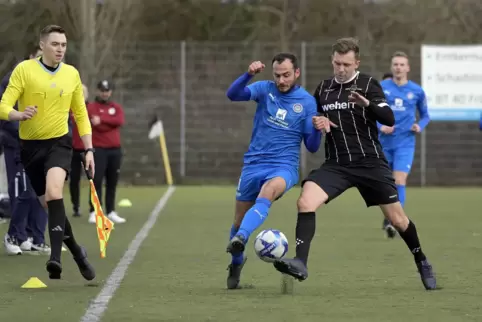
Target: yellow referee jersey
<point>53,93</point>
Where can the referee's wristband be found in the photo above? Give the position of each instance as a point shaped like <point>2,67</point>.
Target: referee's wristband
<point>90,150</point>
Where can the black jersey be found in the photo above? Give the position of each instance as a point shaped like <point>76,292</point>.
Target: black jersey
<point>356,136</point>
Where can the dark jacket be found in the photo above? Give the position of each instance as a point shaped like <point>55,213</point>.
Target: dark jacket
<point>9,130</point>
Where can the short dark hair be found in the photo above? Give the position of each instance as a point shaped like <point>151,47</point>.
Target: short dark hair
<point>32,51</point>
<point>47,30</point>
<point>345,45</point>
<point>387,75</point>
<point>281,57</point>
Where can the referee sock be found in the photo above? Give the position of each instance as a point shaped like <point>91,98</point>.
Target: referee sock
<point>401,194</point>
<point>69,239</point>
<point>238,259</point>
<point>56,225</point>
<point>254,218</point>
<point>305,231</point>
<point>410,237</point>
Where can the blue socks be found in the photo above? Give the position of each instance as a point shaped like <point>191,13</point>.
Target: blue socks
<point>254,218</point>
<point>401,194</point>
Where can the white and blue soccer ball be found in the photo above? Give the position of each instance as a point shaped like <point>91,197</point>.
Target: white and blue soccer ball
<point>270,245</point>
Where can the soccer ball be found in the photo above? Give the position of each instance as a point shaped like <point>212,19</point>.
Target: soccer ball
<point>270,245</point>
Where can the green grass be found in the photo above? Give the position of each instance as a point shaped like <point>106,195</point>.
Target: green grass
<point>179,273</point>
<point>66,300</point>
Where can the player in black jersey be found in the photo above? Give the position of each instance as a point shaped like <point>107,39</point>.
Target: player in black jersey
<point>350,104</point>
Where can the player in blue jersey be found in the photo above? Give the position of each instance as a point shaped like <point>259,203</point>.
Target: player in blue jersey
<point>405,98</point>
<point>283,119</point>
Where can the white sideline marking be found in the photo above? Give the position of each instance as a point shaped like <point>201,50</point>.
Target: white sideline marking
<point>98,306</point>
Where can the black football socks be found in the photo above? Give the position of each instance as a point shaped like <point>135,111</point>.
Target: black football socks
<point>56,226</point>
<point>305,231</point>
<point>410,237</point>
<point>69,239</point>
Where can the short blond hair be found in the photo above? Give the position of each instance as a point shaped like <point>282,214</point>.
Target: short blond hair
<point>399,54</point>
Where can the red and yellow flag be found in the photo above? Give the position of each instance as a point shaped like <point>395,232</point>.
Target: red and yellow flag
<point>104,224</point>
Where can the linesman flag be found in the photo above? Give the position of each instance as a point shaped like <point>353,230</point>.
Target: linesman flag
<point>103,224</point>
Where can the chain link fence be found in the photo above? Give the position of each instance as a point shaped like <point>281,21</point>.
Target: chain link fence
<point>185,84</point>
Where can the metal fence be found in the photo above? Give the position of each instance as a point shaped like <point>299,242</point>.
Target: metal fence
<point>185,84</point>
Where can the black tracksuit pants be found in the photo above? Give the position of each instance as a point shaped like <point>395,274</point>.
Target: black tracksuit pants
<point>107,165</point>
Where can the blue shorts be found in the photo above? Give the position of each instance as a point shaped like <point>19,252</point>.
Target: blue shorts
<point>254,176</point>
<point>400,159</point>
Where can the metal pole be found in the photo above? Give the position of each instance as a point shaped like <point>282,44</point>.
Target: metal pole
<point>423,158</point>
<point>303,155</point>
<point>182,103</point>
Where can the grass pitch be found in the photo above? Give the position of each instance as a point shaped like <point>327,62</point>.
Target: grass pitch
<point>179,273</point>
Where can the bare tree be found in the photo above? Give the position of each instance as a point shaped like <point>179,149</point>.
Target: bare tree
<point>104,29</point>
<point>280,19</point>
<point>18,33</point>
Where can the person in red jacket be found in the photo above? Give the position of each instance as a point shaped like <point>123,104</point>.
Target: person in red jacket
<point>106,117</point>
<point>76,163</point>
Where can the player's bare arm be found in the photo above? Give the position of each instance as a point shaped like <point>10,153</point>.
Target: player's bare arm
<point>416,128</point>
<point>27,114</point>
<point>387,129</point>
<point>322,123</point>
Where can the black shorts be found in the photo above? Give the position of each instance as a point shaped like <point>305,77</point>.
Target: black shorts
<point>373,179</point>
<point>38,156</point>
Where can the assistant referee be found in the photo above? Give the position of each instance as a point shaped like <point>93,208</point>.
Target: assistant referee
<point>46,89</point>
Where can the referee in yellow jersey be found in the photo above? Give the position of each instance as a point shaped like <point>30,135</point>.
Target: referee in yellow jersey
<point>46,89</point>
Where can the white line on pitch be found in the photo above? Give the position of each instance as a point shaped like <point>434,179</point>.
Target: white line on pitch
<point>98,306</point>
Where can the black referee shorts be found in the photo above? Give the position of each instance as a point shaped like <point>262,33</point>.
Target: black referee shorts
<point>373,179</point>
<point>38,156</point>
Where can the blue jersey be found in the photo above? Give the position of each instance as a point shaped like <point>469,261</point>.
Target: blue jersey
<point>405,101</point>
<point>280,123</point>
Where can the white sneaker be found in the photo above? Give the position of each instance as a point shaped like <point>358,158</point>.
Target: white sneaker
<point>116,218</point>
<point>92,217</point>
<point>26,246</point>
<point>41,249</point>
<point>11,245</point>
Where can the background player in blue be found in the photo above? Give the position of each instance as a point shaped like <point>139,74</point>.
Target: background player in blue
<point>283,119</point>
<point>405,98</point>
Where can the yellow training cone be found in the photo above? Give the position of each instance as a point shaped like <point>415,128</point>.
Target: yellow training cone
<point>125,203</point>
<point>34,282</point>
